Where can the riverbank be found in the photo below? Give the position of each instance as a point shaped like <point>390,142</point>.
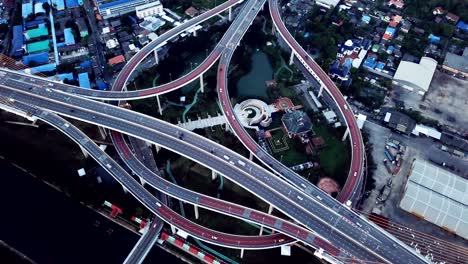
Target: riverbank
<point>49,227</point>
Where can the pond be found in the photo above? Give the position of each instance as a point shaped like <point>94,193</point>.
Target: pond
<point>253,83</point>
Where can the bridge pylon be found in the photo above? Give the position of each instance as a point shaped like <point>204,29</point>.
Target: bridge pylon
<point>291,59</point>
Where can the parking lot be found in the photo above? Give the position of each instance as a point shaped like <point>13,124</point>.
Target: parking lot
<point>416,148</point>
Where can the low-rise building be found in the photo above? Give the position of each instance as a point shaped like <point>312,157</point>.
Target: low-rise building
<point>116,8</point>
<point>327,3</point>
<point>415,76</point>
<point>191,11</point>
<point>150,9</point>
<point>297,124</point>
<point>400,122</point>
<point>456,64</point>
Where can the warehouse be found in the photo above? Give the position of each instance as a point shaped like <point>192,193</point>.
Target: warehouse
<point>415,76</point>
<point>438,196</point>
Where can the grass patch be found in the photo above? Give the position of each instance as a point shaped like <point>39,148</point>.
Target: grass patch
<point>334,158</point>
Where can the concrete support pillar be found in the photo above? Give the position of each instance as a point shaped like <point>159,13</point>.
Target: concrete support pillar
<point>143,182</point>
<point>159,105</point>
<point>156,57</point>
<point>173,230</point>
<point>261,230</point>
<point>214,175</point>
<point>242,253</point>
<point>273,29</point>
<point>194,33</point>
<point>250,156</point>
<point>345,134</point>
<point>270,209</point>
<point>196,211</point>
<point>125,189</point>
<point>291,59</point>
<point>202,84</point>
<point>230,14</point>
<point>320,91</point>
<point>85,153</point>
<point>103,132</point>
<point>158,148</point>
<point>227,126</point>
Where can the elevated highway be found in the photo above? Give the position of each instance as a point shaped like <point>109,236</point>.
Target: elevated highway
<point>141,194</point>
<point>297,207</point>
<point>268,187</point>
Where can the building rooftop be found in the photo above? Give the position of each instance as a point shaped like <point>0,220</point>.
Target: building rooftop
<point>191,11</point>
<point>296,122</point>
<point>416,74</point>
<point>27,9</point>
<point>400,122</point>
<point>83,80</point>
<point>36,32</point>
<point>69,38</point>
<point>437,196</point>
<point>116,60</point>
<point>38,46</point>
<point>455,61</point>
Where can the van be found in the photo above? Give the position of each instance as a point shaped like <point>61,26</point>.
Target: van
<point>241,163</point>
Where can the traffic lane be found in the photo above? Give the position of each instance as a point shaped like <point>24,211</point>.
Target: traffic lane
<point>320,71</point>
<point>124,74</point>
<point>88,107</point>
<point>126,179</point>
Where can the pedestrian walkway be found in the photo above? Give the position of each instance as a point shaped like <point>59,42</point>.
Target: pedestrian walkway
<point>202,123</point>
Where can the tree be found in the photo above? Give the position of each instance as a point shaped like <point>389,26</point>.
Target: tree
<point>46,7</point>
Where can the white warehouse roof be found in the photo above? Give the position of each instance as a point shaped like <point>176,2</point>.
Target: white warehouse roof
<point>412,75</point>
<point>437,196</point>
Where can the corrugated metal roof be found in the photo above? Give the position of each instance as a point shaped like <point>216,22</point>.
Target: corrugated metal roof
<point>417,74</point>
<point>438,196</point>
<point>38,46</point>
<point>37,32</point>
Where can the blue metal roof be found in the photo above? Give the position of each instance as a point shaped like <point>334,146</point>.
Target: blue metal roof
<point>69,38</point>
<point>101,85</point>
<point>115,3</point>
<point>26,9</point>
<point>39,58</point>
<point>83,79</point>
<point>462,25</point>
<point>17,41</point>
<point>369,63</point>
<point>380,65</point>
<point>71,3</point>
<point>33,23</point>
<point>64,76</point>
<point>59,3</point>
<point>85,64</point>
<point>43,68</point>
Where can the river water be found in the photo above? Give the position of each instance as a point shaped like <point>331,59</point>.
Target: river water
<point>49,227</point>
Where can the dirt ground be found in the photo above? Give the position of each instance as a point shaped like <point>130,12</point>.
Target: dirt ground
<point>446,101</point>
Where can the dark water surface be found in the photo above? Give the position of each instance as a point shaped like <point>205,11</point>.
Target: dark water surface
<point>49,227</point>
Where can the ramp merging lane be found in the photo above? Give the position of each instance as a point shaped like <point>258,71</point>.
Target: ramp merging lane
<point>141,194</point>
<point>328,224</point>
<point>267,187</point>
